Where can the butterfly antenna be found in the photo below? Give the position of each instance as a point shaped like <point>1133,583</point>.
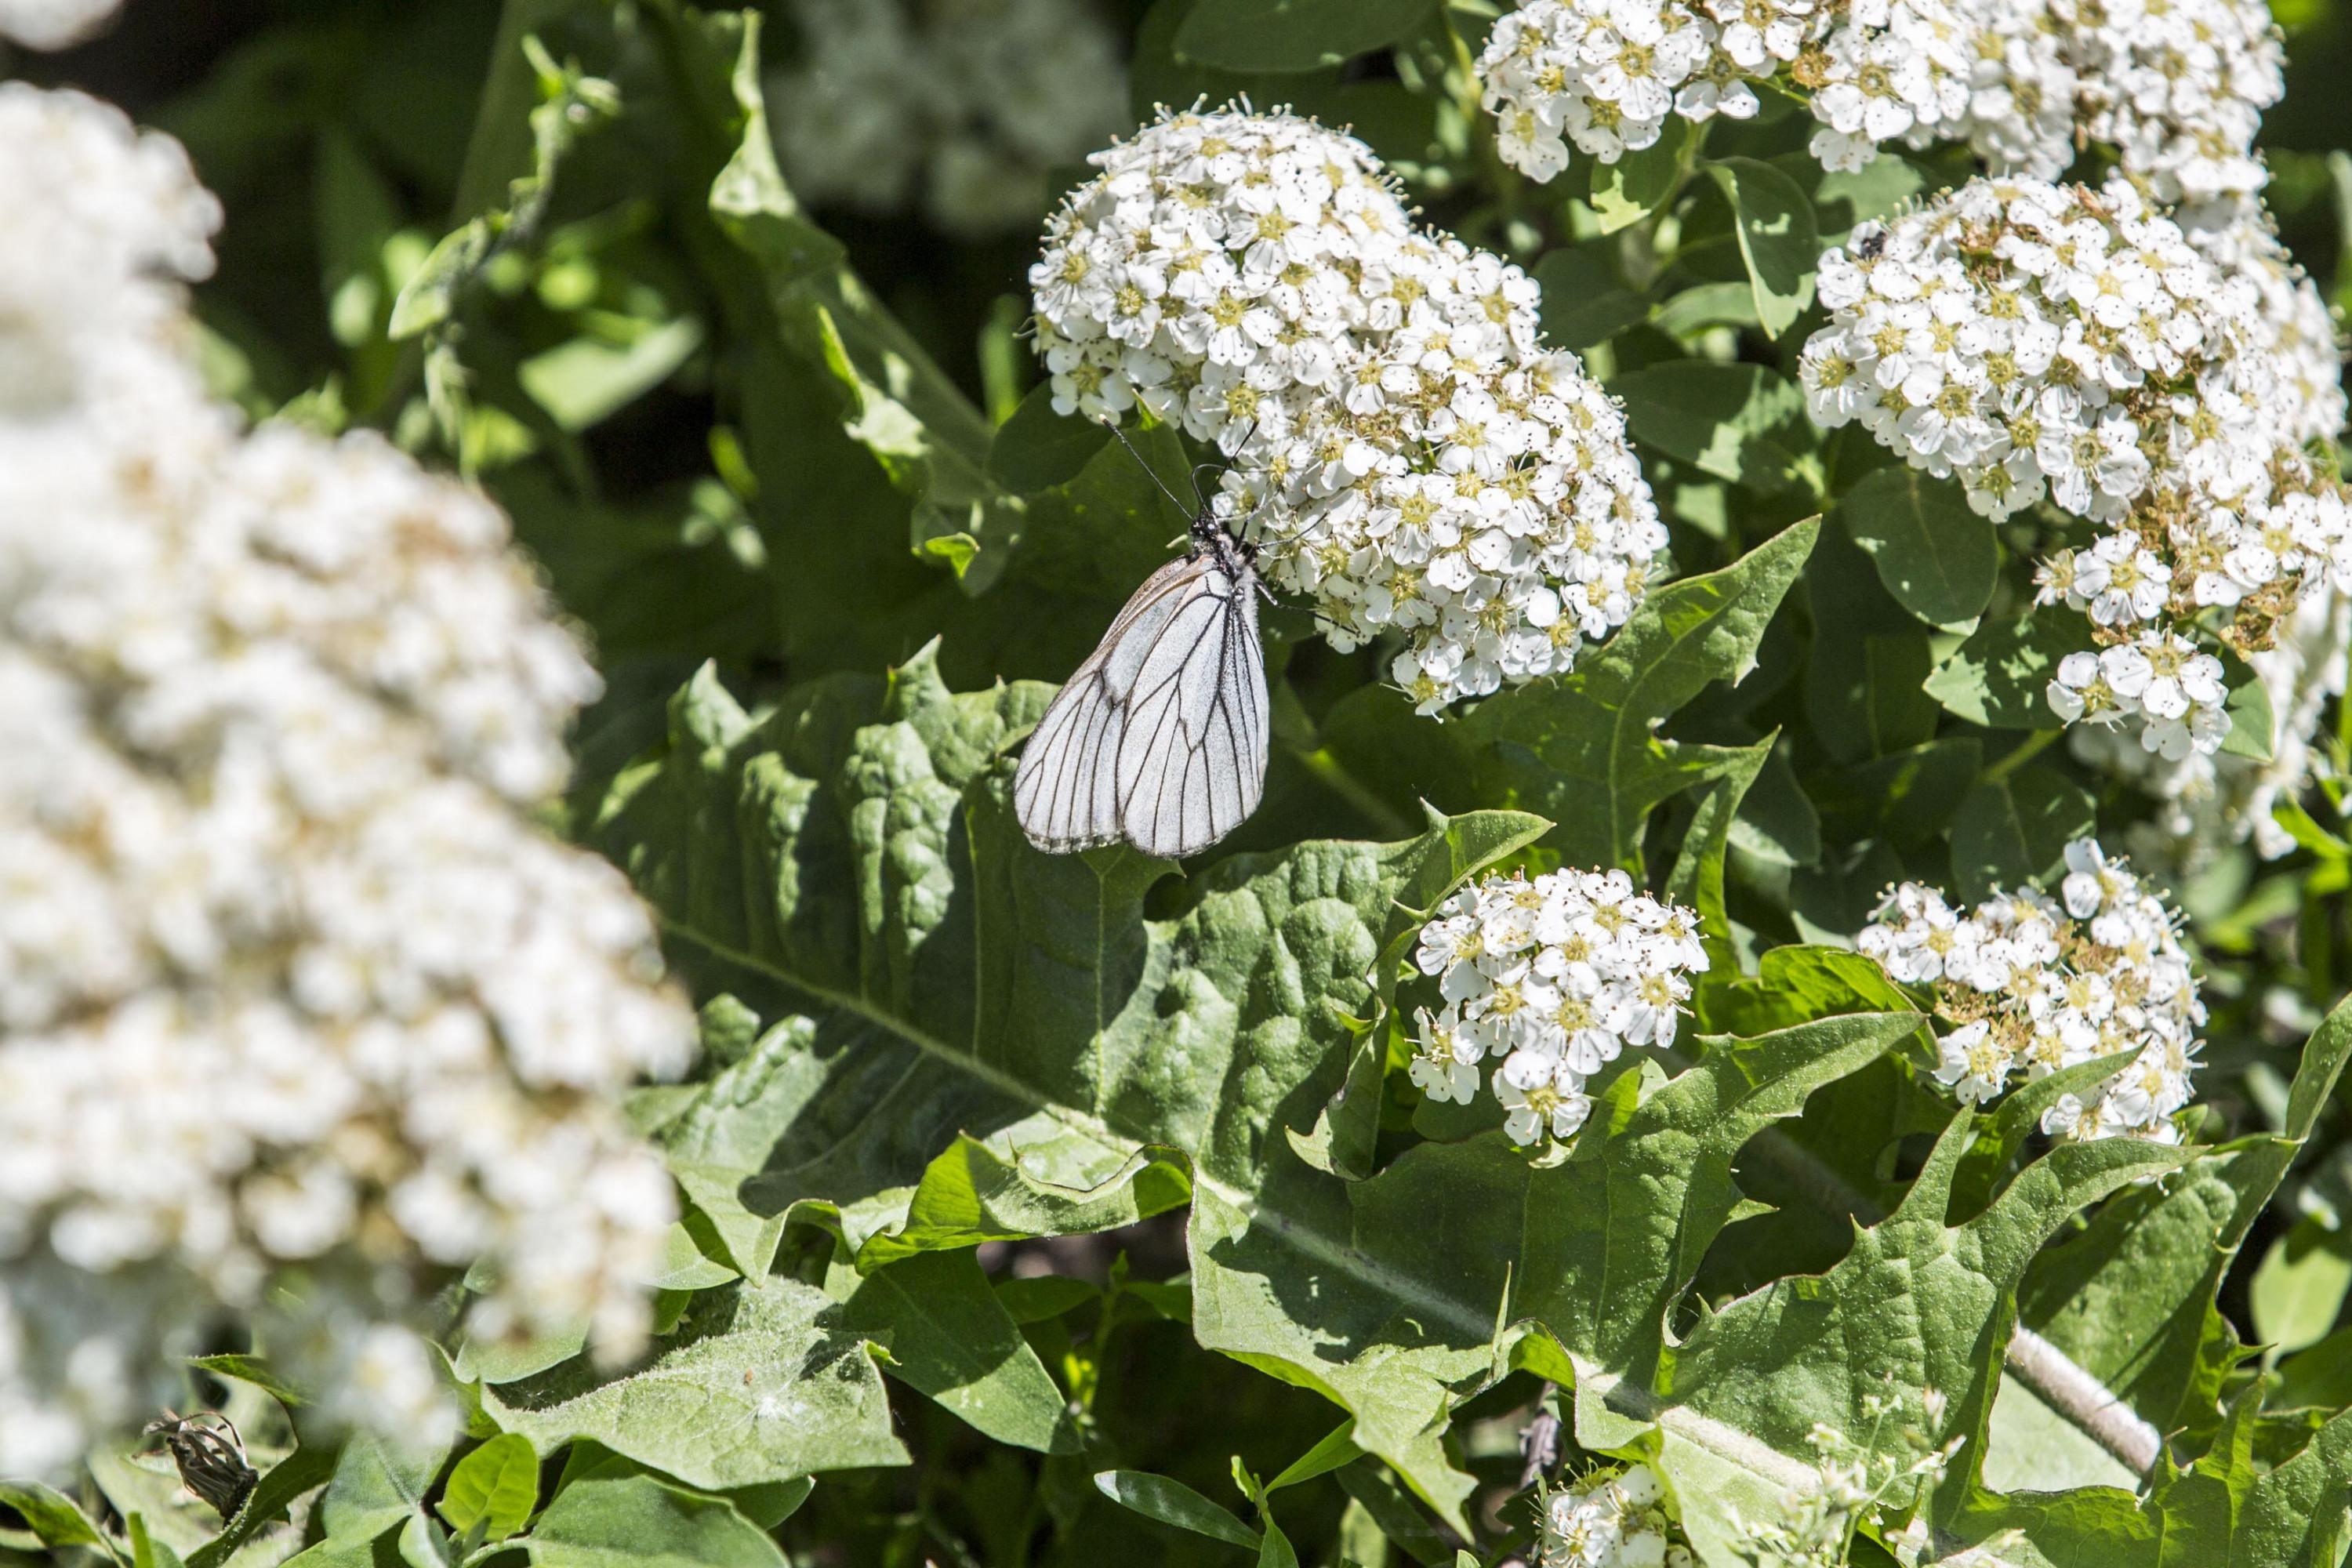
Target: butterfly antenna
<point>1173,499</point>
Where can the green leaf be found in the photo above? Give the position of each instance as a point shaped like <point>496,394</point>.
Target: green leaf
<point>495,1486</point>
<point>1583,750</point>
<point>1336,1448</point>
<point>949,1336</point>
<point>586,381</point>
<point>2251,724</point>
<point>1174,1502</point>
<point>2014,830</point>
<point>976,986</point>
<point>1583,302</point>
<point>759,1383</point>
<point>1293,35</point>
<point>52,1516</point>
<point>255,1370</point>
<point>1936,557</point>
<point>1038,448</point>
<point>2298,1292</point>
<point>1777,237</point>
<point>1640,182</point>
<point>613,1518</point>
<point>378,1487</point>
<point>2000,676</point>
<point>1744,423</point>
<point>146,1551</point>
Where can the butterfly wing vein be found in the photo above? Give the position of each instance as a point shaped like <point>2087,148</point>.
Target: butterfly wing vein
<point>1159,737</point>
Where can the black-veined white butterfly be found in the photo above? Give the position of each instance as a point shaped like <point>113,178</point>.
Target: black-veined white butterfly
<point>1159,737</point>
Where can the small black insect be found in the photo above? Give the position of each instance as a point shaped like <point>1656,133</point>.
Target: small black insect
<point>1868,246</point>
<point>210,1457</point>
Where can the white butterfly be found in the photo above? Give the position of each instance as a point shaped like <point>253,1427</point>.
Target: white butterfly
<point>1159,737</point>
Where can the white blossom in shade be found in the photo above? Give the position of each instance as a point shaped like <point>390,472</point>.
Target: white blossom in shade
<point>300,1014</point>
<point>1408,455</point>
<point>1550,977</point>
<point>1611,1518</point>
<point>2159,686</point>
<point>53,24</point>
<point>2176,87</point>
<point>957,107</point>
<point>2026,982</point>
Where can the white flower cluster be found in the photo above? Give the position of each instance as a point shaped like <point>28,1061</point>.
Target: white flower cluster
<point>2176,87</point>
<point>2043,342</point>
<point>2206,803</point>
<point>961,106</point>
<point>288,978</point>
<point>2034,983</point>
<point>1611,1518</point>
<point>1556,976</point>
<point>53,24</point>
<point>1411,458</point>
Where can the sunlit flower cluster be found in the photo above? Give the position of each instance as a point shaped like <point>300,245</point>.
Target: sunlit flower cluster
<point>288,978</point>
<point>2035,984</point>
<point>959,106</point>
<point>1611,1518</point>
<point>2176,87</point>
<point>53,24</point>
<point>2049,342</point>
<point>1410,455</point>
<point>2206,803</point>
<point>1553,977</point>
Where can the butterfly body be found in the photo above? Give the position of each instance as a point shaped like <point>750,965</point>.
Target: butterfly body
<point>1159,737</point>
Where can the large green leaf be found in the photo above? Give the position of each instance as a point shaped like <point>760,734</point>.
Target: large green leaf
<point>946,1333</point>
<point>612,1516</point>
<point>1936,556</point>
<point>1745,422</point>
<point>1585,751</point>
<point>758,1383</point>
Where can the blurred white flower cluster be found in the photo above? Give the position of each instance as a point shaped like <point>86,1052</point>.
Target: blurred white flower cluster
<point>295,999</point>
<point>53,24</point>
<point>961,107</point>
<point>2176,87</point>
<point>2043,342</point>
<point>2039,984</point>
<point>1611,1518</point>
<point>1556,976</point>
<point>1411,457</point>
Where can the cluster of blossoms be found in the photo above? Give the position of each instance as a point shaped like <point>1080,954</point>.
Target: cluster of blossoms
<point>2043,984</point>
<point>1607,74</point>
<point>297,1004</point>
<point>1414,460</point>
<point>2049,342</point>
<point>1883,1478</point>
<point>1611,1518</point>
<point>2206,803</point>
<point>2176,87</point>
<point>1556,976</point>
<point>961,106</point>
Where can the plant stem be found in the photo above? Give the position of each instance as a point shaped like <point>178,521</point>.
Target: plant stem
<point>1384,817</point>
<point>2017,756</point>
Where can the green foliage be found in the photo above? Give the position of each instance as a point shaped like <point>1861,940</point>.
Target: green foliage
<point>1041,1208</point>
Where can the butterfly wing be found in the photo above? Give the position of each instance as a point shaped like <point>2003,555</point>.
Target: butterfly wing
<point>1192,757</point>
<point>1159,737</point>
<point>1066,793</point>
